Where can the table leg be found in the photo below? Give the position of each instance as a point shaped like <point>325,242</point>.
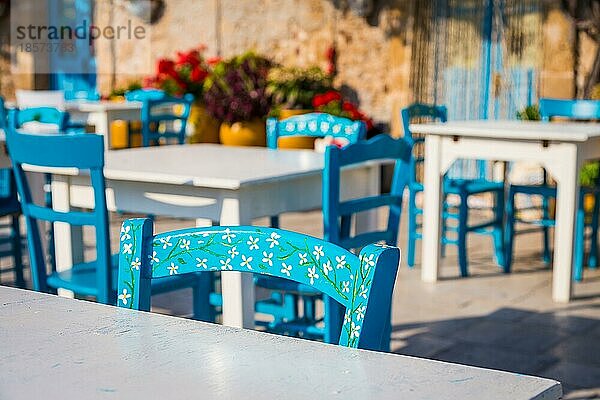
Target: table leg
<point>431,209</point>
<point>101,122</point>
<point>68,241</point>
<point>237,287</point>
<point>566,172</point>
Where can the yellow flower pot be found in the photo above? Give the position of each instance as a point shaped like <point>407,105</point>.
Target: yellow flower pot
<point>295,142</point>
<point>205,127</point>
<point>119,132</point>
<point>246,133</point>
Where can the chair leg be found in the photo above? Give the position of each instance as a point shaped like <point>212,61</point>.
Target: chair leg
<point>17,251</point>
<point>412,228</point>
<point>334,317</point>
<point>463,216</point>
<point>579,241</point>
<point>203,311</point>
<point>275,221</point>
<point>444,231</point>
<point>509,236</point>
<point>546,230</point>
<point>499,229</point>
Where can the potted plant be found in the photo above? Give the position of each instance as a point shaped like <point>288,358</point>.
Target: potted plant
<point>236,95</point>
<point>293,89</point>
<point>186,73</point>
<point>332,102</point>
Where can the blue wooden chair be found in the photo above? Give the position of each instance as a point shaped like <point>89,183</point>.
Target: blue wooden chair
<point>160,119</point>
<point>455,183</point>
<point>572,109</point>
<point>95,278</point>
<point>282,304</point>
<point>60,121</point>
<point>10,207</point>
<point>363,286</point>
<point>317,125</point>
<point>338,216</point>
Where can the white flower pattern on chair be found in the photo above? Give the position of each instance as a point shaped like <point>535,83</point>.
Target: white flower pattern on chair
<point>310,261</point>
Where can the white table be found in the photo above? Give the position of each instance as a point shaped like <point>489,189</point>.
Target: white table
<point>561,148</point>
<point>57,348</point>
<point>102,113</point>
<point>230,185</point>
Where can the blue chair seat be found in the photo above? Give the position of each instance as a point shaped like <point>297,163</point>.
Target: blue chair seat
<point>82,279</point>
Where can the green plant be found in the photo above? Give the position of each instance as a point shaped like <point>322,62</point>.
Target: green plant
<point>295,88</point>
<point>332,102</point>
<point>590,174</point>
<point>121,90</point>
<point>530,113</point>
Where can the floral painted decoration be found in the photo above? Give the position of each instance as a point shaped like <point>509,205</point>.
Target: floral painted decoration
<point>304,259</point>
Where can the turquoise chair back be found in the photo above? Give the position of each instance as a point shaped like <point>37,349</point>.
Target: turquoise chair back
<point>574,109</point>
<point>315,125</point>
<point>84,152</point>
<point>160,115</point>
<point>363,285</point>
<point>460,169</point>
<point>420,111</point>
<point>337,214</point>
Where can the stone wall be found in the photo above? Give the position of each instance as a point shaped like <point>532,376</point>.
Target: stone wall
<point>373,58</point>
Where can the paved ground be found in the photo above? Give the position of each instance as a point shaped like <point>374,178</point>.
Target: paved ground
<point>490,319</point>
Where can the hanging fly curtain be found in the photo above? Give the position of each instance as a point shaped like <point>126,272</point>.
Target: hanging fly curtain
<point>480,58</point>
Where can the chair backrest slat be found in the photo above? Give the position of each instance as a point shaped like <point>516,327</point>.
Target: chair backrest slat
<point>158,108</point>
<point>368,203</point>
<point>574,109</point>
<point>66,152</point>
<point>354,282</point>
<point>81,151</point>
<point>76,218</point>
<point>316,125</point>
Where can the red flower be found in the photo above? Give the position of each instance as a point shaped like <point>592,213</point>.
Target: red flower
<point>165,66</point>
<point>198,75</point>
<point>193,58</point>
<point>326,98</point>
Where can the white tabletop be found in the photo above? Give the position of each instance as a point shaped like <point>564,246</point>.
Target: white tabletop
<point>57,348</point>
<point>210,165</point>
<point>102,106</point>
<point>522,130</point>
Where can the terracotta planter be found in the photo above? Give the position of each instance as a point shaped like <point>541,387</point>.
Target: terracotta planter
<point>296,142</point>
<point>246,133</point>
<point>204,128</point>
